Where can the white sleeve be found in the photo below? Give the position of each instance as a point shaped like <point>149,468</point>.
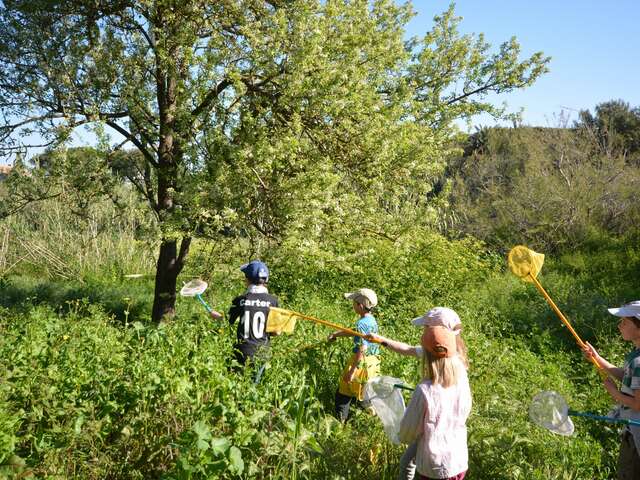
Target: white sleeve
<point>412,423</point>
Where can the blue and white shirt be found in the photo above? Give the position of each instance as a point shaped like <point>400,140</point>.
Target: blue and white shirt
<point>631,373</point>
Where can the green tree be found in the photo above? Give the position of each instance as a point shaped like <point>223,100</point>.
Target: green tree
<point>616,126</point>
<point>551,188</point>
<point>251,117</point>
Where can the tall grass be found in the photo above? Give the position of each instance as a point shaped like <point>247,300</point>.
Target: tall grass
<point>89,389</point>
<point>56,241</point>
<point>86,395</point>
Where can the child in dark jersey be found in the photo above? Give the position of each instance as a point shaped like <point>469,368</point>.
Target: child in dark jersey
<point>251,310</point>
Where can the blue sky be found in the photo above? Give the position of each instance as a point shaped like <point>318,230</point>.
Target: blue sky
<point>594,45</point>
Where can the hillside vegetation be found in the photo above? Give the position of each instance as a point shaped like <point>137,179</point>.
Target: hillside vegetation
<point>555,189</point>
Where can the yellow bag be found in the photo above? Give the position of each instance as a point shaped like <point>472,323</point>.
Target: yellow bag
<point>368,368</point>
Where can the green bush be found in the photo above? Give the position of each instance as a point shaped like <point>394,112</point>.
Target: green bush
<point>91,390</point>
<point>551,188</point>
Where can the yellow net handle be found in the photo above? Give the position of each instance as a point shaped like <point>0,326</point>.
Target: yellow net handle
<point>330,324</point>
<point>562,318</point>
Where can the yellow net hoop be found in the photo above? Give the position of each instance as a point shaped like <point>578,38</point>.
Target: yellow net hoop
<point>281,320</point>
<point>525,263</point>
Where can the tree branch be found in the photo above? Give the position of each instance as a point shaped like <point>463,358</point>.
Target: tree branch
<point>210,97</point>
<point>184,250</point>
<point>126,134</point>
<point>7,130</point>
<point>484,87</point>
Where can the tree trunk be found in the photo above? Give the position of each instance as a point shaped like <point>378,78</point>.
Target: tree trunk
<point>171,135</point>
<point>169,266</point>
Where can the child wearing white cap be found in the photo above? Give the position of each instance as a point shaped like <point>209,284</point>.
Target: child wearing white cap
<point>364,363</point>
<point>628,395</point>
<point>436,416</point>
<point>437,316</point>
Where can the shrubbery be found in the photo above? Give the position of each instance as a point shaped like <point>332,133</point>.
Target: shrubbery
<point>91,388</point>
<point>552,188</point>
<point>90,395</point>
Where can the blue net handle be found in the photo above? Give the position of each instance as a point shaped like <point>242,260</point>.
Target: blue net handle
<point>593,416</point>
<point>206,305</point>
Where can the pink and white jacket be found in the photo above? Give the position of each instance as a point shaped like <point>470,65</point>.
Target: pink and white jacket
<point>436,417</point>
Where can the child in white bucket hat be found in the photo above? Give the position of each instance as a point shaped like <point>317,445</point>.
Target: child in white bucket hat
<point>628,395</point>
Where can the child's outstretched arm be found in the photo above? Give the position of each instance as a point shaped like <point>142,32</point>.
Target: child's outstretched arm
<point>394,345</point>
<point>338,333</point>
<point>590,352</point>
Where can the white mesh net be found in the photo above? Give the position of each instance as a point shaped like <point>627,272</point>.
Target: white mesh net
<point>549,410</point>
<point>193,288</point>
<point>388,403</point>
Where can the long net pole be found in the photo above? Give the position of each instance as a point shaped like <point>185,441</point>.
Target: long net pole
<point>332,325</point>
<point>562,318</point>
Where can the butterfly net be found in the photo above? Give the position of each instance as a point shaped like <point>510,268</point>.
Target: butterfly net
<point>280,320</point>
<point>524,262</point>
<point>387,401</point>
<point>549,410</point>
<point>193,288</point>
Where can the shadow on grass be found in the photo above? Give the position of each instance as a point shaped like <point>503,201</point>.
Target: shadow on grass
<point>129,300</point>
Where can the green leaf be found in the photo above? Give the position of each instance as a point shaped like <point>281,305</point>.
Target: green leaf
<point>202,444</point>
<point>257,416</point>
<point>220,445</point>
<point>77,427</point>
<point>201,429</point>
<point>236,463</point>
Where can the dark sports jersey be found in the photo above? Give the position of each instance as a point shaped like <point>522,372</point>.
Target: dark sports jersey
<point>251,311</point>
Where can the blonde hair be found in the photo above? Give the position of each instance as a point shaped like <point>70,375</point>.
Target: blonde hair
<point>461,347</point>
<point>443,371</point>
